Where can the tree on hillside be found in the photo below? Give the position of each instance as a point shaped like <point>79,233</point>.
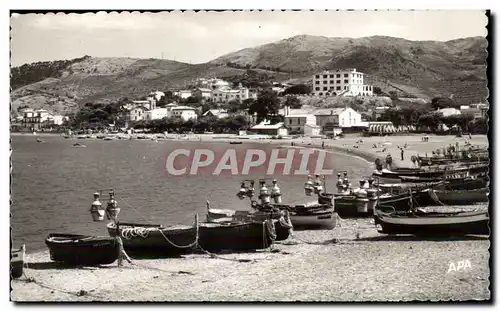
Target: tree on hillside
<point>393,95</point>
<point>430,120</point>
<point>394,115</point>
<point>233,105</point>
<point>298,89</point>
<point>377,91</point>
<point>266,105</point>
<point>293,102</point>
<point>247,103</point>
<point>443,102</point>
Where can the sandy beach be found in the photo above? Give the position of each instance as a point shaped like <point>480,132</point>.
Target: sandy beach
<point>350,263</point>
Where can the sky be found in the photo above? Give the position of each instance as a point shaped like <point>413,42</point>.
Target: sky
<point>200,37</point>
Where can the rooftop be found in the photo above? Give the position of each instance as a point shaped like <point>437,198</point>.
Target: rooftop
<point>267,126</point>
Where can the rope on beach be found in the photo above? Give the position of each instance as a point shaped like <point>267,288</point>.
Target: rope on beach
<point>30,279</point>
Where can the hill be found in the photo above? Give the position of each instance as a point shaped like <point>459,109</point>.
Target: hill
<point>412,68</point>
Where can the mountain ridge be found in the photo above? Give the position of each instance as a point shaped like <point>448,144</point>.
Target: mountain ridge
<point>411,68</point>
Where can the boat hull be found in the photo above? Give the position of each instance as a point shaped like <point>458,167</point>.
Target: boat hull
<point>434,224</point>
<point>405,201</point>
<point>352,206</point>
<point>17,262</point>
<point>282,227</point>
<point>325,220</point>
<point>153,239</point>
<point>81,249</point>
<point>462,197</point>
<point>139,239</point>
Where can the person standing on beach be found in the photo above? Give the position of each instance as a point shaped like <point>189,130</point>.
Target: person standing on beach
<point>323,145</point>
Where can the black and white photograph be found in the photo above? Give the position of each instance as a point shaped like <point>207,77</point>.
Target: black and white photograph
<point>250,156</point>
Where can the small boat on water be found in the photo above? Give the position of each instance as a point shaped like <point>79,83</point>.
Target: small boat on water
<point>17,261</point>
<point>81,249</point>
<point>78,145</point>
<point>431,223</point>
<point>462,197</point>
<point>82,136</point>
<point>38,140</point>
<point>109,138</point>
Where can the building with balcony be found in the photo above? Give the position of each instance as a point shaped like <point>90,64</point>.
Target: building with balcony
<point>344,82</point>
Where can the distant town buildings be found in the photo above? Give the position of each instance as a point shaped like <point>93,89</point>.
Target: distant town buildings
<point>36,119</point>
<point>184,112</point>
<point>265,128</point>
<point>345,82</point>
<point>341,117</point>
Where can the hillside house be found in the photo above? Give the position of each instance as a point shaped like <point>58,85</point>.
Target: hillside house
<point>203,93</point>
<point>227,94</point>
<point>341,117</point>
<point>475,112</point>
<point>295,120</point>
<point>136,113</point>
<point>212,83</point>
<point>157,114</point>
<point>378,112</point>
<point>343,82</point>
<point>265,128</point>
<point>36,119</point>
<point>184,93</point>
<point>218,113</point>
<point>156,96</point>
<point>184,112</point>
<point>312,130</point>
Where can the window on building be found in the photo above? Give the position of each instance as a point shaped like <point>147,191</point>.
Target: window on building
<point>346,75</point>
<point>346,81</point>
<point>332,81</point>
<point>331,76</point>
<point>298,121</point>
<point>345,87</point>
<point>317,82</point>
<point>338,88</point>
<point>317,88</point>
<point>320,93</point>
<point>325,76</point>
<point>337,75</point>
<point>325,88</point>
<point>317,76</point>
<point>338,81</point>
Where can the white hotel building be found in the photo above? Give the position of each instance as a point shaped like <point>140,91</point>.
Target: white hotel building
<point>345,82</point>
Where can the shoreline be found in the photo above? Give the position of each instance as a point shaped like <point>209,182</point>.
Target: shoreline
<point>363,266</point>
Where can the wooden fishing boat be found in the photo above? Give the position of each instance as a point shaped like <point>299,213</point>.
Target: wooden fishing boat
<point>81,249</point>
<point>314,216</point>
<point>154,239</point>
<point>281,224</point>
<point>216,237</point>
<point>235,142</point>
<point>462,197</point>
<point>405,201</point>
<point>432,223</point>
<point>451,183</point>
<point>140,238</point>
<point>17,261</point>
